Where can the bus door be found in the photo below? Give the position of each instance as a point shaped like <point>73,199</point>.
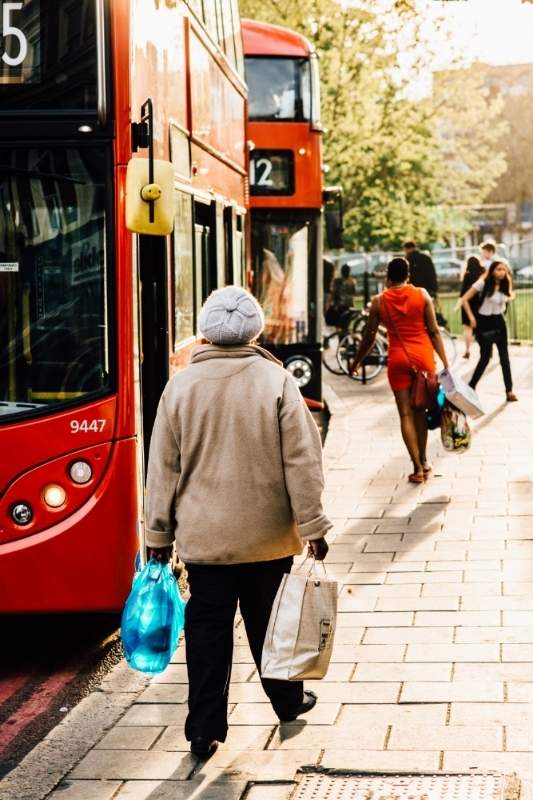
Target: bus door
<point>234,242</point>
<point>204,250</point>
<point>153,275</point>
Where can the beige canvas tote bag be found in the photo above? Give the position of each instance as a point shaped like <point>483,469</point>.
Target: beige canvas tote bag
<point>299,637</point>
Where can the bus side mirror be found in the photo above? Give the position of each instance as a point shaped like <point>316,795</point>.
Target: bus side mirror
<point>334,230</point>
<point>142,196</point>
<point>333,214</point>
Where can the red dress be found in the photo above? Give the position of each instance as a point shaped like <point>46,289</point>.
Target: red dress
<point>406,307</point>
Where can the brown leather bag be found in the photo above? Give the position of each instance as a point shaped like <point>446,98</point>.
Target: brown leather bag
<point>425,386</point>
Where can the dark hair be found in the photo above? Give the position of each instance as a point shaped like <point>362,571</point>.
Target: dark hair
<point>409,244</point>
<point>506,284</point>
<point>398,270</point>
<point>474,267</point>
<point>488,246</point>
<point>345,271</point>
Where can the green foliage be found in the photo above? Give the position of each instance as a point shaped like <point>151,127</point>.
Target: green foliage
<point>398,159</point>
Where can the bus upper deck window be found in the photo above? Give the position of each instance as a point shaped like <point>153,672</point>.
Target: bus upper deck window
<point>279,88</point>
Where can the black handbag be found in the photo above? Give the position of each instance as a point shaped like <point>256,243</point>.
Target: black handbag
<point>491,336</point>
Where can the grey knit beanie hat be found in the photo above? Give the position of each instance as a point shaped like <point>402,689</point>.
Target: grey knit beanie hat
<point>231,316</point>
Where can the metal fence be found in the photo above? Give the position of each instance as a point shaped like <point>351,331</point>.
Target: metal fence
<point>368,269</point>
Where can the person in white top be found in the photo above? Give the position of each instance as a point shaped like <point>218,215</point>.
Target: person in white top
<point>488,252</point>
<point>495,290</point>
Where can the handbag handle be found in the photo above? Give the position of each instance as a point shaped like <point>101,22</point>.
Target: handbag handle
<point>382,301</point>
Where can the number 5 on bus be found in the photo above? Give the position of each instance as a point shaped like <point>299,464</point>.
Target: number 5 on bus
<point>10,30</point>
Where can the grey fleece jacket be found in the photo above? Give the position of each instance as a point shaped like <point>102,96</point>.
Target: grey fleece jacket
<point>235,468</point>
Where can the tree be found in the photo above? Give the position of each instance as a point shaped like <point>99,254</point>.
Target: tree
<point>385,148</point>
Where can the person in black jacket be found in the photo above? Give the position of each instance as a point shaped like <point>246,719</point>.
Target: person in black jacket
<point>422,268</point>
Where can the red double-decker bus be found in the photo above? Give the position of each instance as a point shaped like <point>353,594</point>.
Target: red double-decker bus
<point>93,317</point>
<point>286,196</point>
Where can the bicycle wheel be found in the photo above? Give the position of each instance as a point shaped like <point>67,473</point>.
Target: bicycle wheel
<point>450,347</point>
<point>329,354</point>
<point>375,361</point>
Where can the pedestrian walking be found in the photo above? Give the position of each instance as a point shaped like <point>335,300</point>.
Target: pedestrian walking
<point>235,478</point>
<point>421,269</point>
<point>408,314</point>
<point>493,291</point>
<point>342,296</point>
<point>473,272</point>
<point>488,252</point>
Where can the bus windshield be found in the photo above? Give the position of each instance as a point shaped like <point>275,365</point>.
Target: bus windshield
<point>53,320</point>
<point>48,55</point>
<point>279,89</point>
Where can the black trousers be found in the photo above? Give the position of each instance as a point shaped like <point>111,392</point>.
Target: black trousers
<point>209,622</point>
<point>490,323</point>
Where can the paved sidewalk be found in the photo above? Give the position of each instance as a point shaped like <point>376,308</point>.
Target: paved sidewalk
<point>432,665</point>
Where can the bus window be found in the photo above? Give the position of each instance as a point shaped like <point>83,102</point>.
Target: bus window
<point>53,287</point>
<point>315,90</point>
<point>237,36</point>
<point>210,18</point>
<point>281,258</point>
<point>279,89</point>
<point>50,62</point>
<point>184,301</point>
<point>227,21</point>
<point>204,252</point>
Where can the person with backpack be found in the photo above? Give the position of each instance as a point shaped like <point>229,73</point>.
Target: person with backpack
<point>495,289</point>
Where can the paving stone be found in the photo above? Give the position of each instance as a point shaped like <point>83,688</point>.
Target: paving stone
<point>85,790</point>
<point>349,635</point>
<point>417,604</point>
<point>521,763</point>
<point>357,692</point>
<point>446,737</point>
<point>376,619</point>
<point>276,765</point>
<point>135,765</point>
<point>481,603</point>
<point>160,714</point>
<point>354,578</point>
<point>375,653</point>
<point>438,635</point>
<point>426,577</point>
<point>383,673</point>
<point>164,693</point>
<point>380,761</point>
<point>509,635</point>
<point>511,713</point>
<point>367,714</point>
<point>270,791</point>
<point>174,673</point>
<point>129,738</point>
<point>493,672</point>
<point>305,736</point>
<point>436,589</point>
<point>383,590</point>
<point>517,652</point>
<point>245,737</point>
<point>263,714</point>
<point>457,618</point>
<point>464,691</point>
<point>452,652</point>
<point>520,692</point>
<point>351,603</point>
<point>201,789</point>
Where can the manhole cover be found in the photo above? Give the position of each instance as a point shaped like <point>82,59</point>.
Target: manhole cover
<point>478,786</point>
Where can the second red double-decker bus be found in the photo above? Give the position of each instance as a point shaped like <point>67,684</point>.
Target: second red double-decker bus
<point>93,317</point>
<point>286,196</point>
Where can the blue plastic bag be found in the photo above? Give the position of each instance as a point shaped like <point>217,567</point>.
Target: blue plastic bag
<point>153,618</point>
<point>434,417</point>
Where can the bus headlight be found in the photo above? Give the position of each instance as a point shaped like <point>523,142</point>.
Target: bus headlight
<point>22,514</point>
<point>301,369</point>
<point>81,472</point>
<point>54,495</point>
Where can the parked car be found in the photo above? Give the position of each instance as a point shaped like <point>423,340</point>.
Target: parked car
<point>450,269</point>
<point>524,274</point>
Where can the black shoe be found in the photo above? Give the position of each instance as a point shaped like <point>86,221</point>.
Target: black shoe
<point>201,746</point>
<point>307,704</point>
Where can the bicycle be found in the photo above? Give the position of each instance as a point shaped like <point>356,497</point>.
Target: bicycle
<point>377,358</point>
<point>352,320</point>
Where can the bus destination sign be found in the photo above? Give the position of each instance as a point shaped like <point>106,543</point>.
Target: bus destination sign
<point>271,172</point>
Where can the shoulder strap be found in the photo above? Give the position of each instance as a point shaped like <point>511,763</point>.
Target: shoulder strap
<point>385,306</point>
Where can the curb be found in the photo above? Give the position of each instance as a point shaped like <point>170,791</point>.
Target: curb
<point>44,767</point>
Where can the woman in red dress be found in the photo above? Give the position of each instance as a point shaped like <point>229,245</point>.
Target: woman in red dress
<point>408,311</point>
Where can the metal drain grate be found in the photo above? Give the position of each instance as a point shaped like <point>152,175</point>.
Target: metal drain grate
<point>487,786</point>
